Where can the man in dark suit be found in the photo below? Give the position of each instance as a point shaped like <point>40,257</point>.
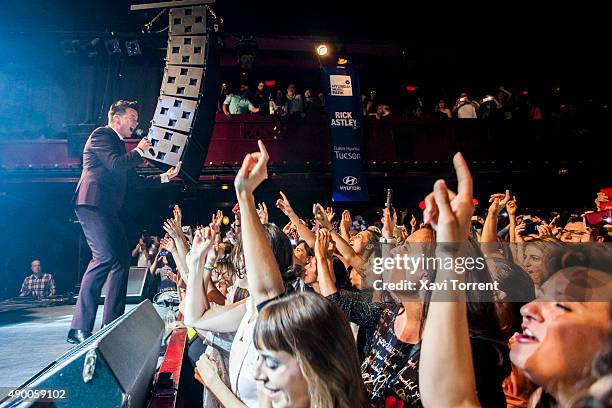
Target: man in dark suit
<point>100,194</point>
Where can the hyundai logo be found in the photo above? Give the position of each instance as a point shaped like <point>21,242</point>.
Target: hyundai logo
<point>350,180</point>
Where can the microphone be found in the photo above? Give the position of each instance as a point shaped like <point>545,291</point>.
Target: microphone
<point>139,133</point>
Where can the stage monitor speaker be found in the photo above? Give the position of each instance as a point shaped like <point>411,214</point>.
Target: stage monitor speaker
<point>113,368</point>
<point>183,121</point>
<point>138,278</point>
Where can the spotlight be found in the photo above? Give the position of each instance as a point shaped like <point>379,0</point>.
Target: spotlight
<point>132,48</point>
<point>342,61</point>
<point>322,50</point>
<point>112,46</point>
<point>226,220</point>
<point>224,187</point>
<point>411,88</point>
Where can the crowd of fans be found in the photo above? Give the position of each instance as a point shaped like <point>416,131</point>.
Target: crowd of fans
<point>269,101</point>
<point>502,104</point>
<point>294,316</point>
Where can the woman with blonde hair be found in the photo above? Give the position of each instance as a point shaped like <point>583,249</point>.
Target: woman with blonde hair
<point>307,355</point>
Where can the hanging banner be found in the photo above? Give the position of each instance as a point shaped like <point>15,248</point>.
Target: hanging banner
<point>345,118</point>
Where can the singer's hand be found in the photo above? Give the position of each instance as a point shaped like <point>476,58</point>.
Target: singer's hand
<point>144,144</point>
<point>174,171</point>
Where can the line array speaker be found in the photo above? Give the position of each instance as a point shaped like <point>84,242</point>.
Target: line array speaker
<point>184,117</point>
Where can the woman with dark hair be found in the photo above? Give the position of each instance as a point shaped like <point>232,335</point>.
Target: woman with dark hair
<point>307,355</point>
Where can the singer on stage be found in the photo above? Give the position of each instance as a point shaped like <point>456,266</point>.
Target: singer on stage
<point>100,194</point>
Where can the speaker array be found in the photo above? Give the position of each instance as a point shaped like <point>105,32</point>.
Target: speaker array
<point>184,117</point>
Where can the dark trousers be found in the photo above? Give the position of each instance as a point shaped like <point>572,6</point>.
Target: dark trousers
<point>110,260</point>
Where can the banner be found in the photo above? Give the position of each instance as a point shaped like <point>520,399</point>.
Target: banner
<point>345,118</point>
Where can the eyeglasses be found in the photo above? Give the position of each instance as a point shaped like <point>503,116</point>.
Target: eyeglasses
<point>571,232</point>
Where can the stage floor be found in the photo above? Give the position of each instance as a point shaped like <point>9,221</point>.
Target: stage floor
<point>32,338</point>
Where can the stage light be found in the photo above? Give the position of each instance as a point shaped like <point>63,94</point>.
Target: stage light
<point>270,84</point>
<point>322,50</point>
<point>226,220</point>
<point>525,93</point>
<point>132,48</point>
<point>224,187</point>
<point>342,61</point>
<point>411,88</point>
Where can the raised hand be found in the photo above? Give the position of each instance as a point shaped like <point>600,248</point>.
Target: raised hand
<point>174,171</point>
<point>253,171</point>
<point>284,205</point>
<point>498,202</point>
<point>167,244</point>
<point>322,243</point>
<point>544,230</point>
<point>511,206</point>
<point>262,213</point>
<point>450,213</point>
<point>346,221</point>
<point>321,216</point>
<point>388,222</point>
<point>177,215</point>
<point>172,228</point>
<point>217,219</point>
<point>329,212</point>
<point>202,241</point>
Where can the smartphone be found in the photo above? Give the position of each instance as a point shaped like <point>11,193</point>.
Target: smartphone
<point>163,253</point>
<point>531,228</point>
<point>389,201</point>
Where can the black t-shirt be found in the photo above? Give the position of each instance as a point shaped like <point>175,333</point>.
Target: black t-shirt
<point>390,368</point>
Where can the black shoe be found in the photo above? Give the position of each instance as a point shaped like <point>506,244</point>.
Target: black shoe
<point>77,336</point>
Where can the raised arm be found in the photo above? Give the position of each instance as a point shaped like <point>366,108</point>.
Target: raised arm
<point>446,374</point>
<point>197,311</point>
<point>489,230</point>
<point>182,247</point>
<point>327,285</point>
<point>345,225</point>
<point>264,278</point>
<point>303,231</point>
